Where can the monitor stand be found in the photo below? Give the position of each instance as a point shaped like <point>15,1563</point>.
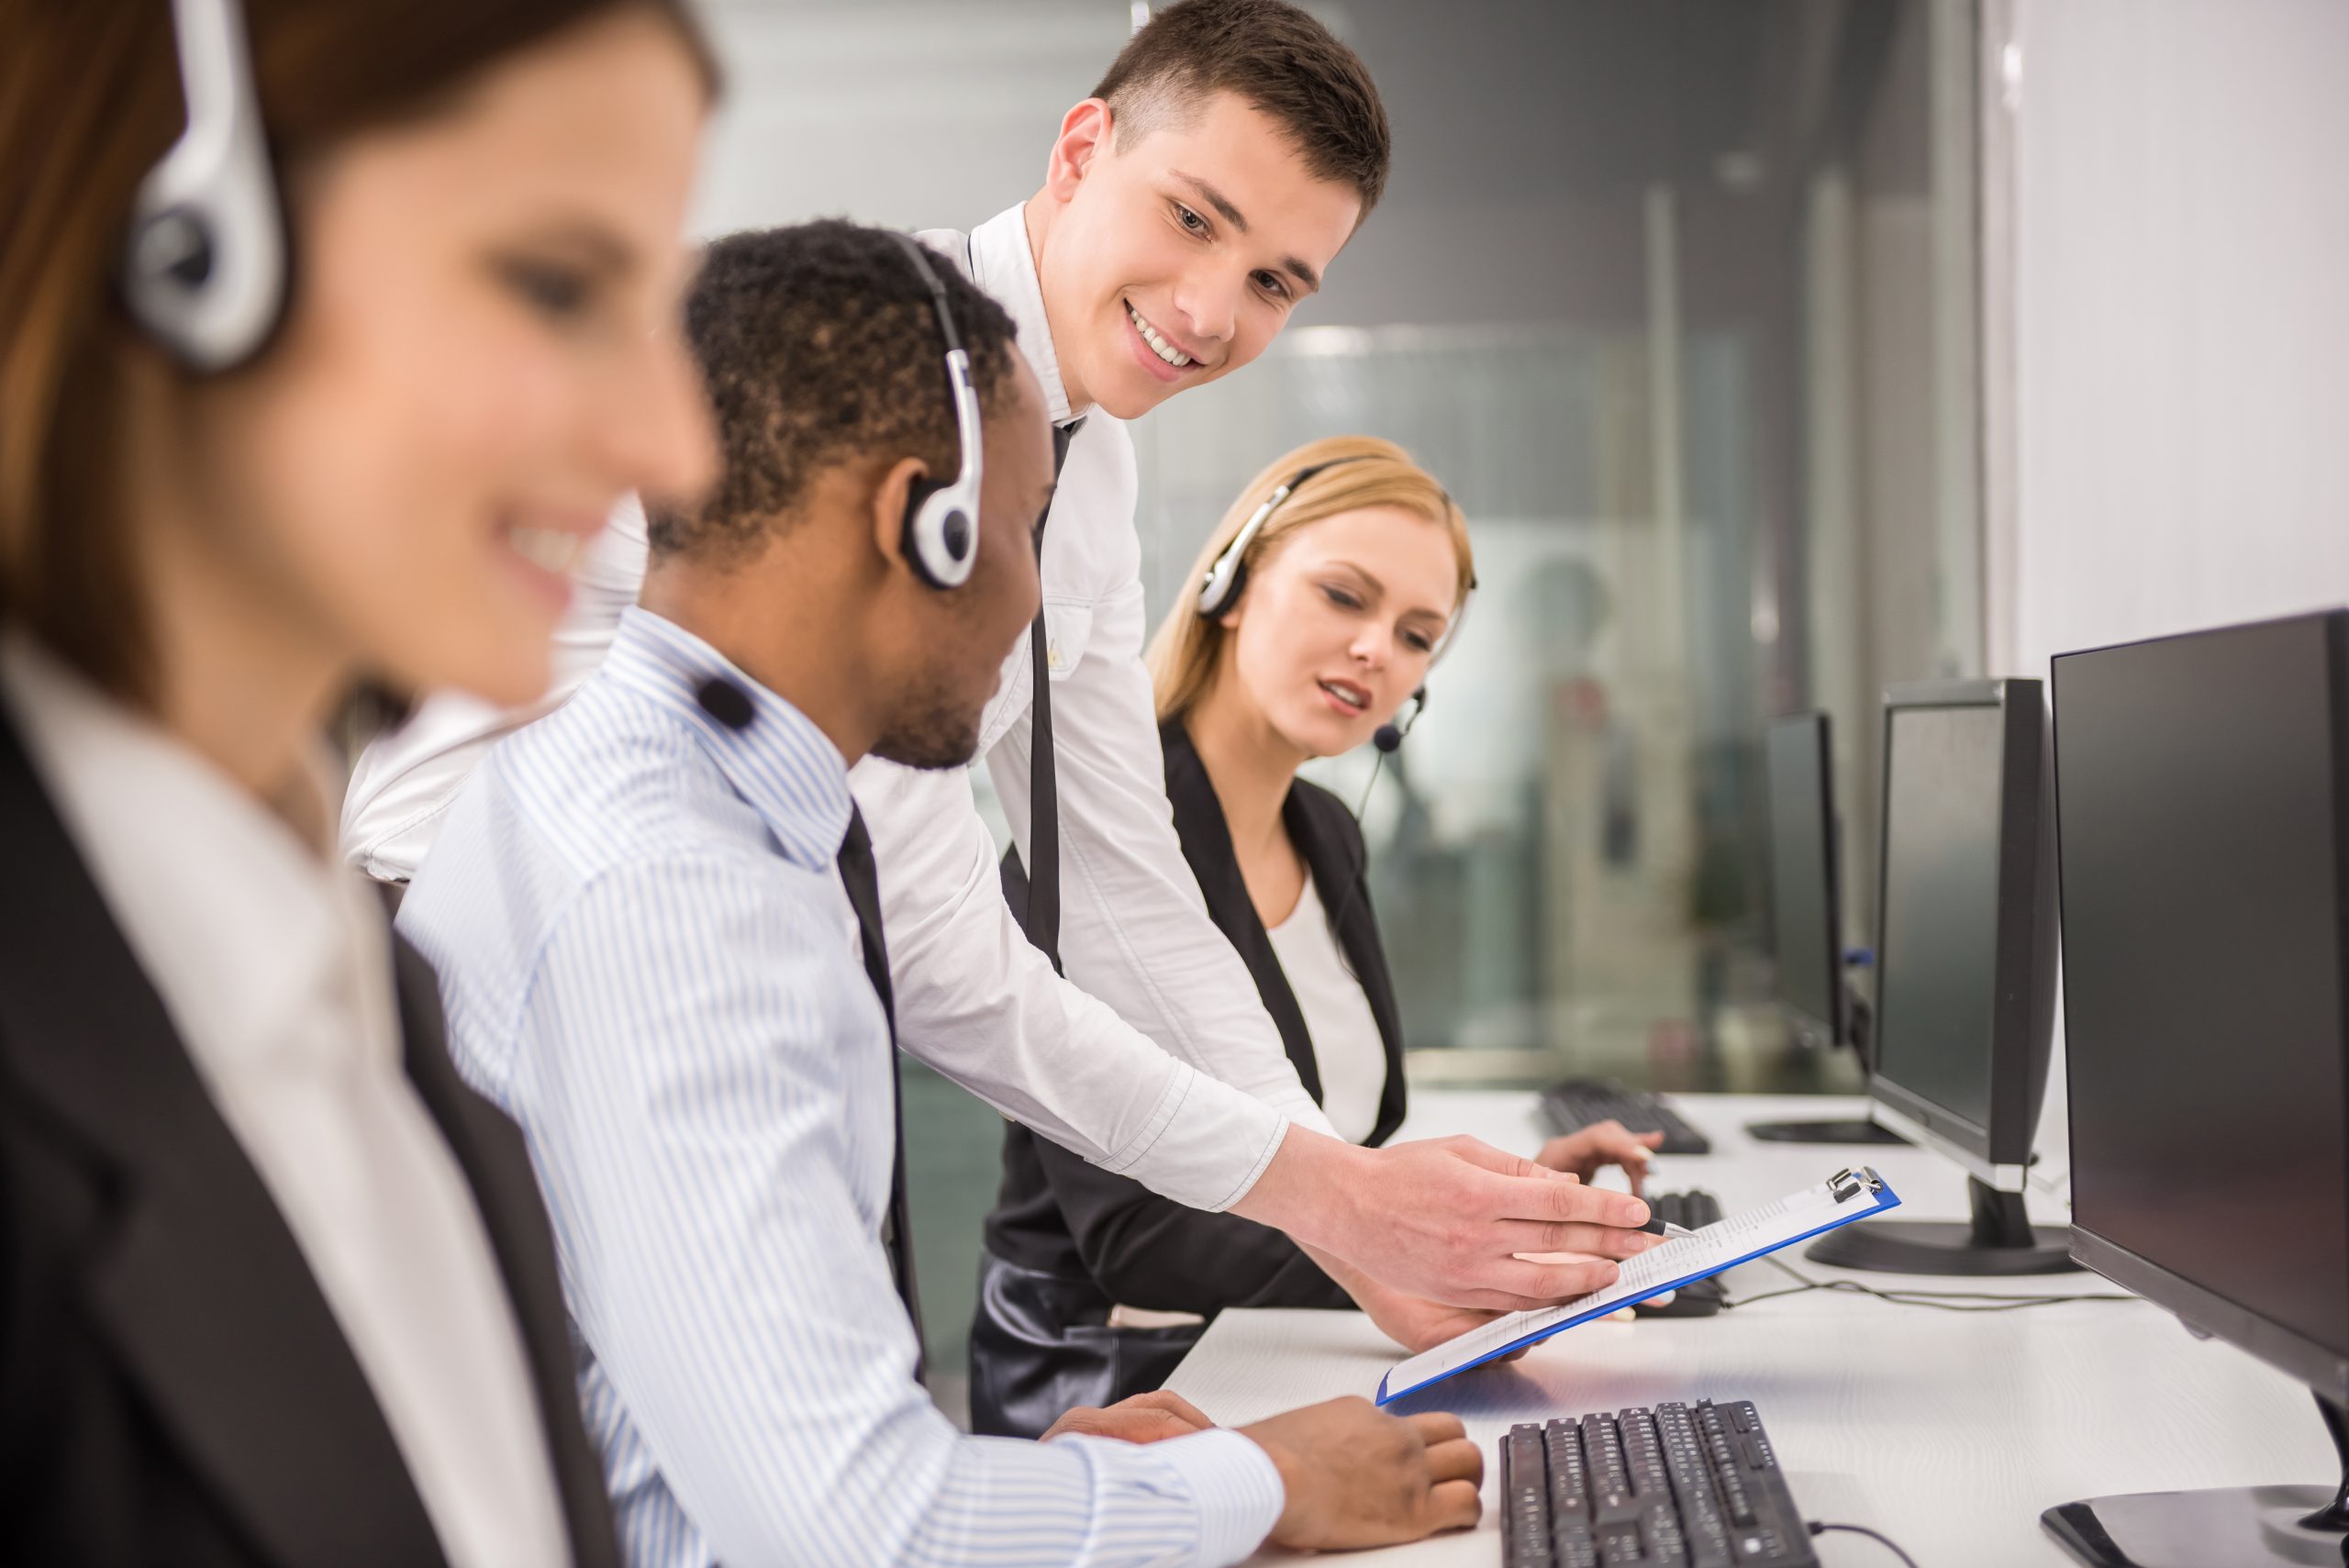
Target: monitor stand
<point>1998,1240</point>
<point>1838,1129</point>
<point>2241,1527</point>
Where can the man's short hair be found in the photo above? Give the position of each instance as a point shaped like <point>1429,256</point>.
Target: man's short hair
<point>1276,57</point>
<point>819,344</point>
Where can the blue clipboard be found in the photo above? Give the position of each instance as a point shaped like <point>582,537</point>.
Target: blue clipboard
<point>1849,1195</point>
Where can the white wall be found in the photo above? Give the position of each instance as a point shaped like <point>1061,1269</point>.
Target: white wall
<point>2181,278</point>
<point>915,113</point>
<point>2182,283</point>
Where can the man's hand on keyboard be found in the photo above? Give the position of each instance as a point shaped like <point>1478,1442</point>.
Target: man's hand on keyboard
<point>1591,1151</point>
<point>1355,1476</point>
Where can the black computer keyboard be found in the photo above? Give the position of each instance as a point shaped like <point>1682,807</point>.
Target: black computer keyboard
<point>1576,1103</point>
<point>1678,1487</point>
<point>1699,1298</point>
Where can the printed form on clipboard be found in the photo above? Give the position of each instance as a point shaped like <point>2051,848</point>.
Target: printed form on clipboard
<point>1839,1200</point>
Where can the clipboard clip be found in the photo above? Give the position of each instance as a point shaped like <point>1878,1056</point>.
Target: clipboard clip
<point>1849,1183</point>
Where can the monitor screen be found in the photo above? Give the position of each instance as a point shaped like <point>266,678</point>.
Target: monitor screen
<point>2197,811</point>
<point>1937,984</point>
<point>1802,869</point>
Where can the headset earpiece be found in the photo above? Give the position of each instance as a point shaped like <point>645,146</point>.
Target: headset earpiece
<point>1229,593</point>
<point>204,259</point>
<point>939,533</point>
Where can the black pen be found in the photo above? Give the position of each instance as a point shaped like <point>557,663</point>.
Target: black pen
<point>1659,1226</point>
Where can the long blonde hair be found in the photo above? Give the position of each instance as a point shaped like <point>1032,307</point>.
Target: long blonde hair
<point>1365,471</point>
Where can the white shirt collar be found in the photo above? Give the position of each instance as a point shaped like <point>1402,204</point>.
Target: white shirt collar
<point>1002,265</point>
<point>237,921</point>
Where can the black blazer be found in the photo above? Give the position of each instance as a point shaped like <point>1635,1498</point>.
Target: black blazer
<point>173,1387</point>
<point>1060,1215</point>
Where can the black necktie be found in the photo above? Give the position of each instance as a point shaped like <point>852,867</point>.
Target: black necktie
<point>863,886</point>
<point>1043,921</point>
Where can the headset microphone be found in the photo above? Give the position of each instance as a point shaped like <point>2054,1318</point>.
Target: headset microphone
<point>1389,735</point>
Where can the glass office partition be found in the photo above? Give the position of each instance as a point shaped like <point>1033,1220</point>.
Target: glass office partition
<point>1720,462</point>
<point>1559,852</point>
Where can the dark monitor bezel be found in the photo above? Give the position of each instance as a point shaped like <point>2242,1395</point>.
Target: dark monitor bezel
<point>2322,1368</point>
<point>1836,1028</point>
<point>2023,1011</point>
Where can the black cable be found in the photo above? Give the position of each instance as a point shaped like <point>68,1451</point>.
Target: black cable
<point>1877,1536</point>
<point>1376,765</point>
<point>1940,1300</point>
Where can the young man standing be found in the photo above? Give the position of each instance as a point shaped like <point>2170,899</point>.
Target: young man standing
<point>658,937</point>
<point>1187,207</point>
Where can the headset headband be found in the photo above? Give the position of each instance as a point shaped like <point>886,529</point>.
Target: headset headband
<point>1219,589</point>
<point>943,516</point>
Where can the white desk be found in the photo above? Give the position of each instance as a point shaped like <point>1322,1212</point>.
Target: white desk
<point>1950,1432</point>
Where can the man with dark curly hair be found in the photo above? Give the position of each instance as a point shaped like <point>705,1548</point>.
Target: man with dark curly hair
<point>656,929</point>
<point>1187,208</point>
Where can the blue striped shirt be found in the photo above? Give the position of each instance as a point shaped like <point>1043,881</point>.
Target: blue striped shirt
<point>648,959</point>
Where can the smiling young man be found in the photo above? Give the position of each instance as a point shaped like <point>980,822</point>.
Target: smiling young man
<point>1187,207</point>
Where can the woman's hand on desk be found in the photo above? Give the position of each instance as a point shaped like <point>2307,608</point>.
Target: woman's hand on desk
<point>1599,1145</point>
<point>1144,1418</point>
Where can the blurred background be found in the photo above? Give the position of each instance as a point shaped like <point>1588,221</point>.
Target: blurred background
<point>1779,351</point>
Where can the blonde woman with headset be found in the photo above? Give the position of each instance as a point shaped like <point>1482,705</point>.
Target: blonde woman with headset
<point>1319,604</point>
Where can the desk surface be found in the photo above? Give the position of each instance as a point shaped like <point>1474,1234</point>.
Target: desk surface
<point>1948,1431</point>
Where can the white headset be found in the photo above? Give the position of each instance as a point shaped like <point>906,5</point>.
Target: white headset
<point>1220,589</point>
<point>943,515</point>
<point>203,261</point>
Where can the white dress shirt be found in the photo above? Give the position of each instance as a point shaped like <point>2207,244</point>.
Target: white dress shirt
<point>1154,1058</point>
<point>1347,1046</point>
<point>650,963</point>
<point>276,965</point>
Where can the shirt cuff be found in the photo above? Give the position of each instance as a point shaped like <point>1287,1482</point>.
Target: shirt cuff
<point>1238,1488</point>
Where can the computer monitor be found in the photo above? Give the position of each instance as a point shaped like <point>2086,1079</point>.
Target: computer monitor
<point>1807,916</point>
<point>1806,913</point>
<point>1965,969</point>
<point>2205,830</point>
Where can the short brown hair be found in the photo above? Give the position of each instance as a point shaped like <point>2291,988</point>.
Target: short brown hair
<point>1280,60</point>
<point>89,102</point>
